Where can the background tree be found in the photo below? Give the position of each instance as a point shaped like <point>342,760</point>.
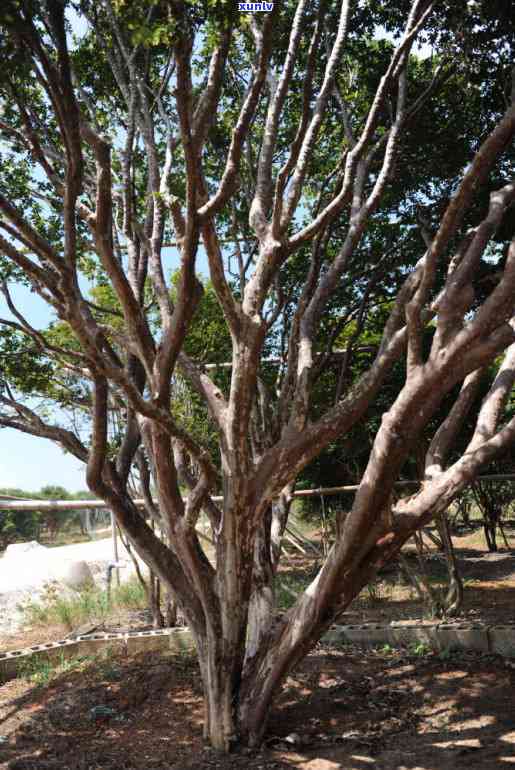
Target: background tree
<point>304,157</point>
<point>16,527</point>
<point>54,520</point>
<point>20,526</point>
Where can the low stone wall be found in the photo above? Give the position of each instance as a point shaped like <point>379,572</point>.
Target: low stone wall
<point>172,640</point>
<point>499,639</point>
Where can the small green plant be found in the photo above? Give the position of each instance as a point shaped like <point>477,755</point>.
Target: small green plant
<point>130,595</point>
<point>377,592</point>
<point>36,669</point>
<point>35,613</point>
<point>420,649</point>
<point>373,593</point>
<point>386,649</point>
<point>40,669</point>
<point>110,671</point>
<point>64,612</point>
<point>185,659</point>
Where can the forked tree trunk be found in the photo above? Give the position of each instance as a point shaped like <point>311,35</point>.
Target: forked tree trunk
<point>228,711</point>
<point>239,687</point>
<point>237,710</point>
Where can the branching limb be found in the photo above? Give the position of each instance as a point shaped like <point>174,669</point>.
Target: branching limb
<point>239,135</point>
<point>263,190</point>
<point>309,140</point>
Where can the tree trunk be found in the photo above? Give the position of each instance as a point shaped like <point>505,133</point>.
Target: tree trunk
<point>220,694</point>
<point>262,682</point>
<point>267,554</point>
<point>262,598</point>
<point>454,597</point>
<point>171,613</point>
<point>154,597</point>
<point>490,532</point>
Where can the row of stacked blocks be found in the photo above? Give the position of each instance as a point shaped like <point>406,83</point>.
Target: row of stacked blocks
<point>499,639</point>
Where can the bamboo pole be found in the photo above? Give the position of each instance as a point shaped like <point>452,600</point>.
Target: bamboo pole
<point>13,504</point>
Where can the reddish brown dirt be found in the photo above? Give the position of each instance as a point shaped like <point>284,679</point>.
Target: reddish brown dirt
<point>342,710</point>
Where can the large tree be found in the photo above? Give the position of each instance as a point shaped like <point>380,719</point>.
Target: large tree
<point>329,176</point>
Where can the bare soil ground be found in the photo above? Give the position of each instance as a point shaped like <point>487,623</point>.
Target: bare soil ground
<point>342,709</point>
<point>489,585</point>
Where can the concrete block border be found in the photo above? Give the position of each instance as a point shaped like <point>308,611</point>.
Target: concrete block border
<point>405,635</point>
<point>502,640</point>
<point>498,639</point>
<point>172,640</point>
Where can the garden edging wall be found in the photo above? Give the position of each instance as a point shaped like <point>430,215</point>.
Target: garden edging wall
<point>498,639</point>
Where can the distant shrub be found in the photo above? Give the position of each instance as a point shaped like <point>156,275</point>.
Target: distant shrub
<point>18,526</point>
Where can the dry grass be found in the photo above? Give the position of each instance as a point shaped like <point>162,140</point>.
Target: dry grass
<point>90,605</point>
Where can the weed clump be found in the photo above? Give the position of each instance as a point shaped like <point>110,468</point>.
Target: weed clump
<point>89,605</point>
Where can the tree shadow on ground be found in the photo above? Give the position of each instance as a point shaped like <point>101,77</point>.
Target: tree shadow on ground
<point>350,709</point>
<point>429,713</point>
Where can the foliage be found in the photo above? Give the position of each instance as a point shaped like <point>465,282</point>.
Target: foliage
<point>42,670</point>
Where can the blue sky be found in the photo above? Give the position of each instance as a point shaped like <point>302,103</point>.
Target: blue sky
<point>31,463</point>
<point>26,461</point>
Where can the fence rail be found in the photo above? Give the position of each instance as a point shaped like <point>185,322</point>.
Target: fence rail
<point>18,504</point>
